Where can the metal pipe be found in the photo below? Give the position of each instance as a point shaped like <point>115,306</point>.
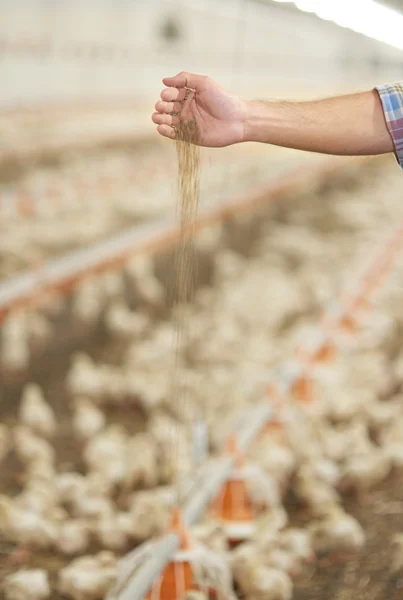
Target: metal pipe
<point>206,485</point>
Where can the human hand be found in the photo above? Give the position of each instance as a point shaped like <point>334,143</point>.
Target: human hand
<point>219,115</point>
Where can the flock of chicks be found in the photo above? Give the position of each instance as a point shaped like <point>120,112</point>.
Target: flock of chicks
<point>41,212</point>
<point>120,491</point>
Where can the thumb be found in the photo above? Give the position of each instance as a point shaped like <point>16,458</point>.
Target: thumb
<point>183,79</point>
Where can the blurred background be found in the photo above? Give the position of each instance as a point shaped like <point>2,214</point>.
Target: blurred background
<point>87,260</point>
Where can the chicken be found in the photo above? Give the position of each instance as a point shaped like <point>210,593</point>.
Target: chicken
<point>125,324</point>
<point>26,527</point>
<point>113,284</point>
<point>36,413</point>
<point>212,535</point>
<point>270,523</point>
<point>88,420</point>
<point>363,472</point>
<point>263,489</point>
<point>39,496</point>
<point>142,468</point>
<point>298,542</point>
<point>74,537</point>
<point>83,378</point>
<point>112,530</point>
<point>396,565</point>
<point>32,584</point>
<point>194,595</point>
<point>275,459</point>
<point>30,448</point>
<point>256,581</point>
<point>150,515</point>
<point>15,355</point>
<point>69,486</point>
<point>337,533</point>
<point>381,414</point>
<point>313,492</point>
<point>87,302</point>
<point>5,442</point>
<point>88,578</point>
<point>106,453</point>
<point>39,329</point>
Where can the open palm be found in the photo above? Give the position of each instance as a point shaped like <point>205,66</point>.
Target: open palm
<point>219,114</point>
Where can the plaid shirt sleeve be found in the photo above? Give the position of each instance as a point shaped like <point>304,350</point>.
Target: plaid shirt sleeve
<point>391,96</point>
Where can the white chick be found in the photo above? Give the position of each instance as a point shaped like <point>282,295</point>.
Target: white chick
<point>150,515</point>
<point>256,581</point>
<point>29,447</point>
<point>26,527</point>
<point>263,489</point>
<point>40,470</point>
<point>74,537</point>
<point>315,494</point>
<point>36,413</point>
<point>113,285</point>
<point>363,472</point>
<point>397,554</point>
<point>87,302</point>
<point>88,420</point>
<point>381,414</point>
<point>337,533</point>
<point>88,578</point>
<point>270,523</point>
<point>32,584</point>
<point>298,542</point>
<point>83,378</point>
<point>111,531</point>
<point>193,595</point>
<point>15,355</point>
<point>5,442</point>
<point>394,451</point>
<point>70,486</point>
<point>39,496</point>
<point>106,453</point>
<point>124,323</point>
<point>212,535</point>
<point>39,329</point>
<point>142,468</point>
<point>274,458</point>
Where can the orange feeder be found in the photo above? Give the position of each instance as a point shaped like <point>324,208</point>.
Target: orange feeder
<point>348,324</point>
<point>303,389</point>
<point>233,506</point>
<point>277,400</point>
<point>177,578</point>
<point>326,352</point>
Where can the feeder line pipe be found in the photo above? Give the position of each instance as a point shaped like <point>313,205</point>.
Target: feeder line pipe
<point>213,476</point>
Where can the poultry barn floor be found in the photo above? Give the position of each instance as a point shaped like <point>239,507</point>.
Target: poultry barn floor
<point>364,576</point>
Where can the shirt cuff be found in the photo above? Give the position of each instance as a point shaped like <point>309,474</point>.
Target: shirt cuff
<point>391,96</point>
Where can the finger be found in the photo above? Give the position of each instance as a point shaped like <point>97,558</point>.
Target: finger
<point>163,119</point>
<point>170,94</point>
<point>166,131</point>
<point>168,107</point>
<point>197,82</point>
<point>186,112</point>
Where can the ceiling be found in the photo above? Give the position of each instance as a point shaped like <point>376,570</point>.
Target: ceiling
<point>397,4</point>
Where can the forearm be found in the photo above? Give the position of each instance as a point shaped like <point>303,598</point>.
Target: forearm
<point>345,125</point>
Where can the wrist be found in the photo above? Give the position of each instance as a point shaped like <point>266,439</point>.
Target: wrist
<point>257,121</point>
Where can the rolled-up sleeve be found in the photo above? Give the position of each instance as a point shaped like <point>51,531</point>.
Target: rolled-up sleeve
<point>391,96</point>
